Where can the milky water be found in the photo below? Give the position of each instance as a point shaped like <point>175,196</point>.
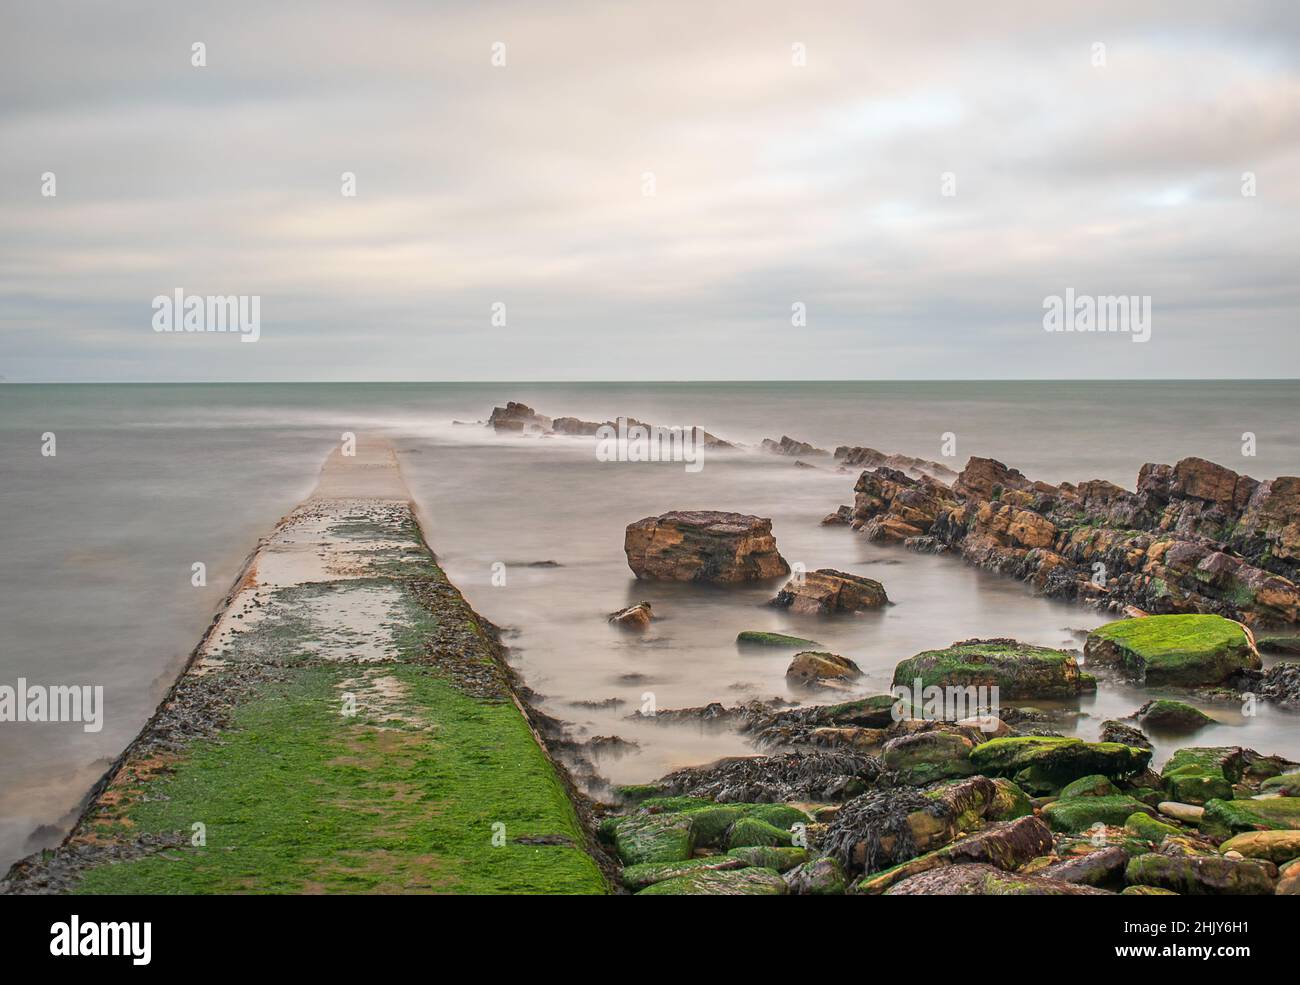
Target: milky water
<point>98,542</point>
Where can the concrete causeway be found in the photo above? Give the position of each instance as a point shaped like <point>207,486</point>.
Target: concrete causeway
<point>347,724</point>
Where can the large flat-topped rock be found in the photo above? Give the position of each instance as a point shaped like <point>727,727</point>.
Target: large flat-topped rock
<point>703,545</point>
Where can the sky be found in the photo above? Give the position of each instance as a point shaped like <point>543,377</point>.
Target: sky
<point>649,191</point>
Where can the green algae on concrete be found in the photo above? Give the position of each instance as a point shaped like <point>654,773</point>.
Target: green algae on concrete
<point>1184,650</point>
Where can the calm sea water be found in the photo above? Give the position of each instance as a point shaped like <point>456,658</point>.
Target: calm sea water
<point>98,541</point>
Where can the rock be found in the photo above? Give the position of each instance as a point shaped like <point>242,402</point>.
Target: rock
<point>1184,650</point>
<point>1005,845</point>
<point>1144,826</point>
<point>924,757</point>
<point>1017,670</point>
<point>820,877</point>
<point>1047,763</point>
<point>703,545</point>
<point>1163,715</point>
<point>842,517</point>
<point>812,668</point>
<point>755,638</point>
<point>764,857</point>
<point>642,838</point>
<point>1289,883</point>
<point>821,776</point>
<point>1146,891</point>
<point>1289,645</point>
<point>1273,846</point>
<point>741,882</point>
<point>1078,814</point>
<point>648,873</point>
<point>789,446</point>
<point>1009,802</point>
<point>1198,774</point>
<point>752,831</point>
<point>1200,875</point>
<point>985,880</point>
<point>828,591</point>
<point>1285,785</point>
<point>1187,813</point>
<point>633,617</point>
<point>1095,785</point>
<point>886,826</point>
<point>1113,731</point>
<point>1226,817</point>
<point>518,417</point>
<point>1093,869</point>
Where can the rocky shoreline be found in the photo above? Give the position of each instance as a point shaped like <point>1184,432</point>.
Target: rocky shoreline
<point>881,795</point>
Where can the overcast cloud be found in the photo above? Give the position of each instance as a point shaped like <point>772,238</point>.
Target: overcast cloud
<point>775,184</point>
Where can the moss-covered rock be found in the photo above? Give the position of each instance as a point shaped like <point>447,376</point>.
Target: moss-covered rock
<point>1285,784</point>
<point>1198,774</point>
<point>873,711</point>
<point>753,831</point>
<point>1078,814</point>
<point>765,857</point>
<point>1042,764</point>
<point>1146,891</point>
<point>1184,650</point>
<point>1009,802</point>
<point>1199,875</point>
<point>1229,817</point>
<point>1095,785</point>
<point>819,877</point>
<point>739,882</point>
<point>1274,846</point>
<point>648,873</point>
<point>1166,715</point>
<point>1144,826</point>
<point>1017,670</point>
<point>755,638</point>
<point>641,838</point>
<point>925,757</point>
<point>985,880</point>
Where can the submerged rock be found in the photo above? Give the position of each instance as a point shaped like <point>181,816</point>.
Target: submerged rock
<point>826,591</point>
<point>1127,735</point>
<point>1165,715</point>
<point>756,638</point>
<point>703,545</point>
<point>811,668</point>
<point>1184,650</point>
<point>1016,669</point>
<point>633,617</point>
